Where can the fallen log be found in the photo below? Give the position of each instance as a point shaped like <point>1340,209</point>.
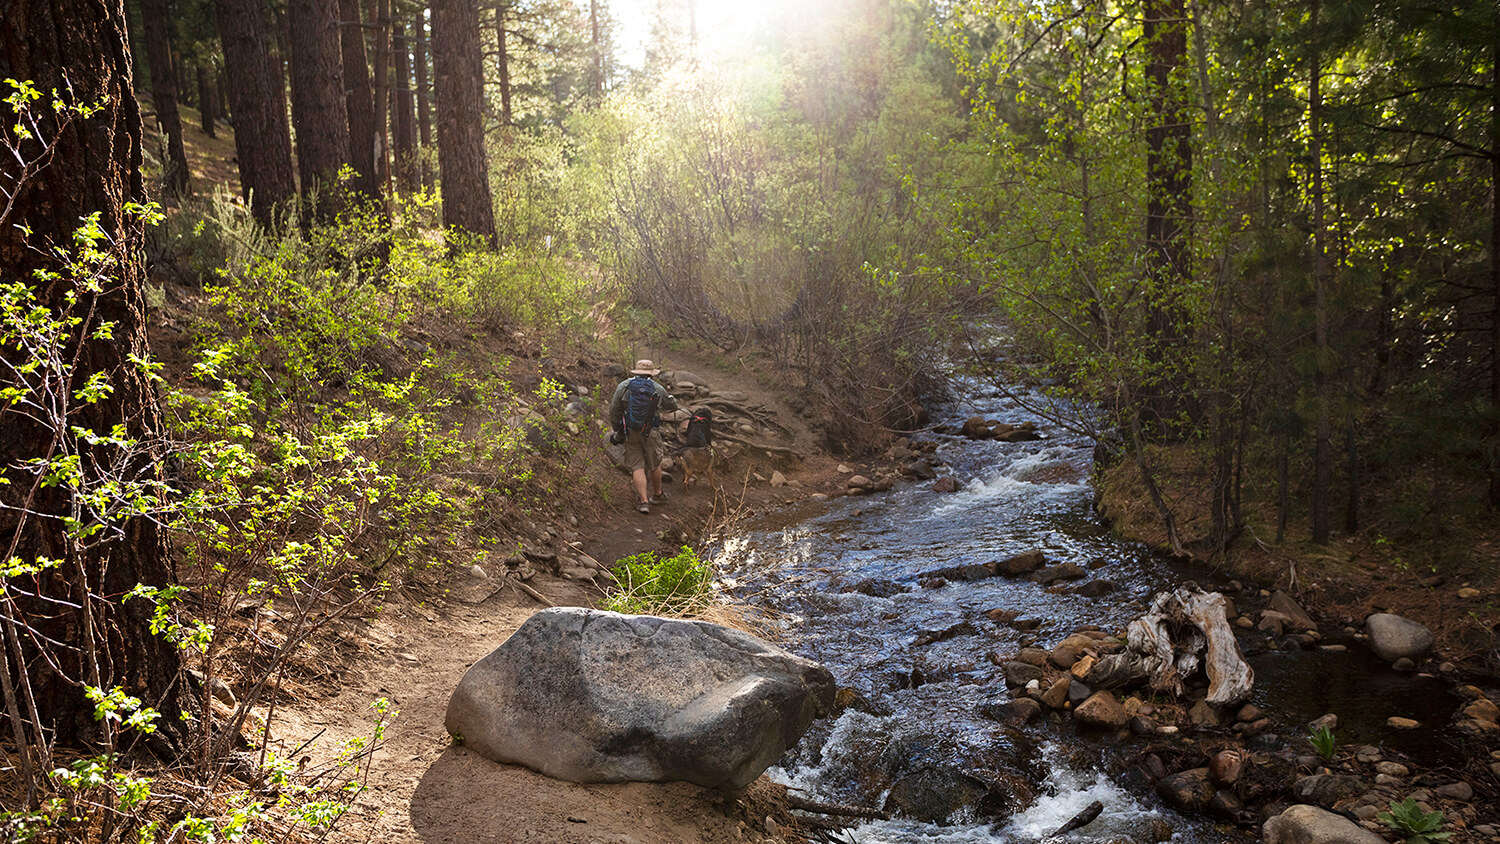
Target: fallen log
<point>1081,819</point>
<point>836,809</point>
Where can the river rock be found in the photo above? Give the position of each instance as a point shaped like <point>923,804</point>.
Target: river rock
<point>1189,791</point>
<point>1056,696</point>
<point>947,483</point>
<point>859,482</point>
<point>1101,710</point>
<point>1019,673</point>
<point>877,588</point>
<point>1226,766</point>
<point>1483,709</point>
<point>1034,656</point>
<point>1327,789</point>
<point>1396,722</point>
<point>1067,652</point>
<point>1395,769</point>
<point>1204,714</point>
<point>1062,571</point>
<point>932,794</point>
<point>1022,710</point>
<point>1460,791</point>
<point>1286,605</point>
<point>1020,564</point>
<point>978,428</point>
<point>1092,589</point>
<point>1393,637</point>
<point>1303,824</point>
<point>593,696</point>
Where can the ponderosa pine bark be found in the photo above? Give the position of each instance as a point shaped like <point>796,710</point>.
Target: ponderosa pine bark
<point>380,17</point>
<point>262,139</point>
<point>459,85</point>
<point>157,29</point>
<point>359,100</point>
<point>424,107</point>
<point>207,108</point>
<point>318,110</point>
<point>502,63</point>
<point>402,122</point>
<point>78,47</point>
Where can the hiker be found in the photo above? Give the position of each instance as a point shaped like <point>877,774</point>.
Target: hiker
<point>633,413</point>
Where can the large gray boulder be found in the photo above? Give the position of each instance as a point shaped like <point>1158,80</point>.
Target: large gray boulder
<point>1393,637</point>
<point>1304,824</point>
<point>593,696</point>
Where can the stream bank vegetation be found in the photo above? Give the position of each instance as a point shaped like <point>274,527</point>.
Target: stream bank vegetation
<point>1261,241</point>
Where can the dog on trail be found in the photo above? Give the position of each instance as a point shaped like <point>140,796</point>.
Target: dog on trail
<point>698,447</point>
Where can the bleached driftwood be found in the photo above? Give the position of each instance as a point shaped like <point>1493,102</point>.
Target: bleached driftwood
<point>1183,630</point>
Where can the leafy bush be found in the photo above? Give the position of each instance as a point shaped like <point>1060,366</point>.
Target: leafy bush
<point>654,585</point>
<point>1418,826</point>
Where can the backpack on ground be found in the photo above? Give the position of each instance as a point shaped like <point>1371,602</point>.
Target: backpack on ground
<point>641,401</point>
<point>699,429</point>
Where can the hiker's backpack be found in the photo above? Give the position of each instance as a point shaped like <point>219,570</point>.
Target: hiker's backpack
<point>641,401</point>
<point>699,429</point>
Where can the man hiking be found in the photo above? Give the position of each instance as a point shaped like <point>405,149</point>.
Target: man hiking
<point>633,411</point>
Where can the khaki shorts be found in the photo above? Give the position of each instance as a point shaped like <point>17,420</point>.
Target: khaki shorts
<point>643,452</point>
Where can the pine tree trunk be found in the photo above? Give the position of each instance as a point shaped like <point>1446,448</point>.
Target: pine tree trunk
<point>502,61</point>
<point>380,15</point>
<point>1323,426</point>
<point>458,72</point>
<point>359,100</point>
<point>318,111</point>
<point>252,73</point>
<point>1169,195</point>
<point>207,111</point>
<point>94,168</point>
<point>1494,471</point>
<point>164,93</point>
<point>405,146</point>
<point>424,108</point>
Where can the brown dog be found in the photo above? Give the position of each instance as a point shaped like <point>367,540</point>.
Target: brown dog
<point>697,462</point>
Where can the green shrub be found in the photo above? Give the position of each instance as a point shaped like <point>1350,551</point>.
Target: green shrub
<point>653,585</point>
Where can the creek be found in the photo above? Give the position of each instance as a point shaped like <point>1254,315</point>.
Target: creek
<point>843,582</point>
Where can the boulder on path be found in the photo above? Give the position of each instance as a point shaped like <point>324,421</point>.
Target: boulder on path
<point>1304,824</point>
<point>593,696</point>
<point>1328,789</point>
<point>1393,637</point>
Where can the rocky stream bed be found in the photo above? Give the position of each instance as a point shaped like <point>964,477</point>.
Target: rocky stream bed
<point>990,638</point>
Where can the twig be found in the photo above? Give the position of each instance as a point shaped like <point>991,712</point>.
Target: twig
<point>533,593</point>
<point>806,805</point>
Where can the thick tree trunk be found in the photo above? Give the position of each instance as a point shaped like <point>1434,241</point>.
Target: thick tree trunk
<point>262,140</point>
<point>463,171</point>
<point>318,111</point>
<point>380,15</point>
<point>1169,194</point>
<point>502,64</point>
<point>359,100</point>
<point>164,90</point>
<point>1323,425</point>
<point>1495,262</point>
<point>424,108</point>
<point>207,108</point>
<point>403,123</point>
<point>94,168</point>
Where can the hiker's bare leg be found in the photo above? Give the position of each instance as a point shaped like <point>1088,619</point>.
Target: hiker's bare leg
<point>638,478</point>
<point>656,479</point>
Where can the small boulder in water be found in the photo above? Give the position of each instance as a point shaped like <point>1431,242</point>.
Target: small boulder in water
<point>1189,791</point>
<point>1393,637</point>
<point>1304,824</point>
<point>947,483</point>
<point>1020,564</point>
<point>1101,710</point>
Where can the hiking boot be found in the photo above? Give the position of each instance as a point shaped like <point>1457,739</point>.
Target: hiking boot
<point>643,507</point>
<point>660,497</point>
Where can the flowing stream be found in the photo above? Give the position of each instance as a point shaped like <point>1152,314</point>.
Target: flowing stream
<point>841,582</point>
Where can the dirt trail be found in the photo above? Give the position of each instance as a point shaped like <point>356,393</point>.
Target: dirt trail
<point>422,788</point>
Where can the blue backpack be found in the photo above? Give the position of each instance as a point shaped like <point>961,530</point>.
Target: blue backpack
<point>641,401</point>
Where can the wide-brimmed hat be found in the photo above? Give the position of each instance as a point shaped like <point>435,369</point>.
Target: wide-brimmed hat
<point>644,367</point>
